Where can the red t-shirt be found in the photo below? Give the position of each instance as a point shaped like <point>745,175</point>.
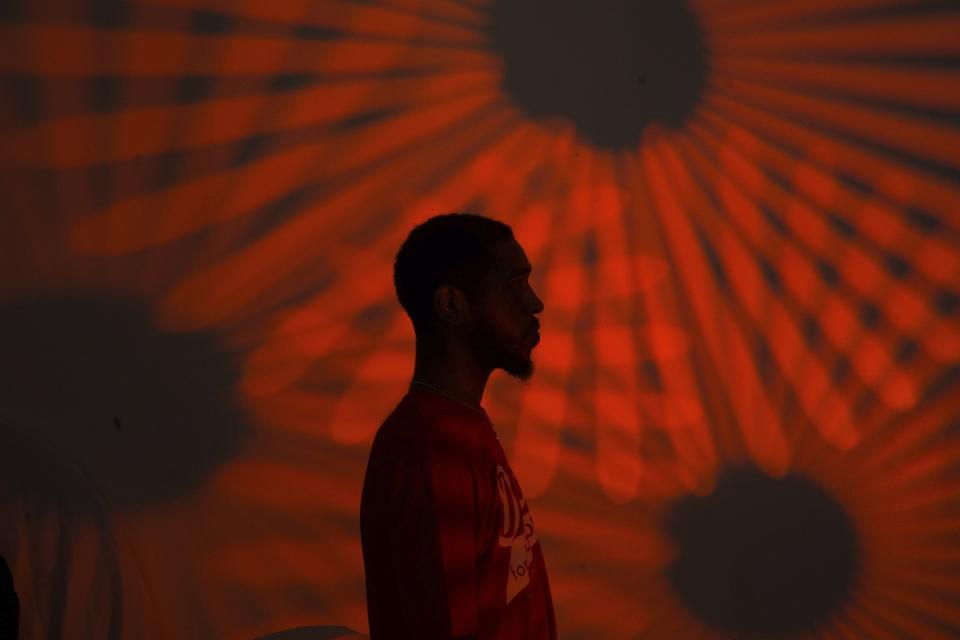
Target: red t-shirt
<point>449,545</point>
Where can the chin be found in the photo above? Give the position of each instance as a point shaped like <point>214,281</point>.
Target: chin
<point>513,359</point>
<point>521,370</point>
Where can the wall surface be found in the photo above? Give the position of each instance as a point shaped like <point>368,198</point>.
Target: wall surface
<point>744,222</point>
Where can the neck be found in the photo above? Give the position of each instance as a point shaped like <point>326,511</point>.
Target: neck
<point>452,372</point>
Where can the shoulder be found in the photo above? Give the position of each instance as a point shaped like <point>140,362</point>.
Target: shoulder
<point>420,431</point>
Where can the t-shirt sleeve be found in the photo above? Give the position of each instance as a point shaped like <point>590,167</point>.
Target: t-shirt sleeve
<point>430,535</point>
<point>454,499</point>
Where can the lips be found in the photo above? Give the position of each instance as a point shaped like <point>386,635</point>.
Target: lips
<point>534,333</point>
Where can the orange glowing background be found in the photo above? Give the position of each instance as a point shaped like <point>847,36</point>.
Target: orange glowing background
<point>202,200</point>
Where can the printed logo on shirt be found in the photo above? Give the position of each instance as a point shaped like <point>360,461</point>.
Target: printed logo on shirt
<point>516,531</point>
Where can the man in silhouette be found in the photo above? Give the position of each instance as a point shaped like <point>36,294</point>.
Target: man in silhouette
<point>450,549</point>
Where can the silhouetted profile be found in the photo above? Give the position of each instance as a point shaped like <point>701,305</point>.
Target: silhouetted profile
<point>450,549</point>
<point>9,604</point>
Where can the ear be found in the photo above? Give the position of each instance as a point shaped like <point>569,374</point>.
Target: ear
<point>450,304</point>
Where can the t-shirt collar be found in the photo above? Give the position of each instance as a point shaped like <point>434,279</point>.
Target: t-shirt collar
<point>459,404</point>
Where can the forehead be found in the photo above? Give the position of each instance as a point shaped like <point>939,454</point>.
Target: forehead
<point>509,259</point>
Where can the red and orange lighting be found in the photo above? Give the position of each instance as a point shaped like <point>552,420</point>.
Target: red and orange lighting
<point>768,284</point>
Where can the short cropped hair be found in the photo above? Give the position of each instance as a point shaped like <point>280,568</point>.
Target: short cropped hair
<point>451,249</point>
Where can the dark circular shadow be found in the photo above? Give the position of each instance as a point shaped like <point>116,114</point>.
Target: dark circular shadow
<point>762,556</point>
<point>146,415</point>
<point>611,66</point>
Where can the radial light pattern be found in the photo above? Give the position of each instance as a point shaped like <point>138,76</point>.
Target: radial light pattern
<point>762,287</point>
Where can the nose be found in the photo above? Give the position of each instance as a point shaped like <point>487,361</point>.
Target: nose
<point>537,304</point>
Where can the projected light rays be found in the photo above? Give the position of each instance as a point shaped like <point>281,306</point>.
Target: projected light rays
<point>769,281</point>
<point>904,529</point>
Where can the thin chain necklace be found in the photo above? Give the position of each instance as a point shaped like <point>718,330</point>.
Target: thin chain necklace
<point>447,395</point>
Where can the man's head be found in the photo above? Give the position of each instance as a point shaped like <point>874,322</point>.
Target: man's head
<point>463,277</point>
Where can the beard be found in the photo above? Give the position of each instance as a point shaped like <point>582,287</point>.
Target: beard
<point>495,349</point>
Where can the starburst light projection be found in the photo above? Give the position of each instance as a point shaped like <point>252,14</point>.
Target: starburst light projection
<point>743,222</point>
